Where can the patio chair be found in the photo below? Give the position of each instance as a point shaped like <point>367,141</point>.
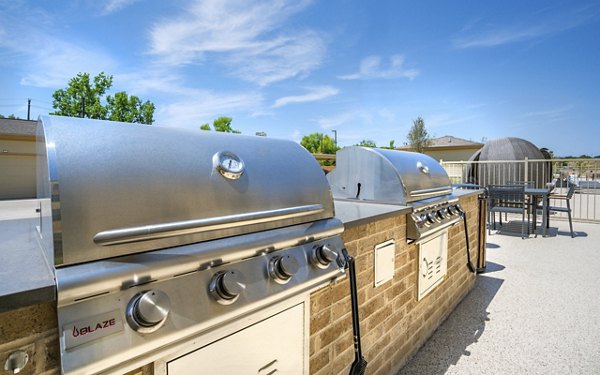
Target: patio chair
<point>528,185</point>
<point>507,199</point>
<point>567,208</point>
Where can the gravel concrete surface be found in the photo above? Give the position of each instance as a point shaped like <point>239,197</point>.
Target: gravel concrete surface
<point>536,310</point>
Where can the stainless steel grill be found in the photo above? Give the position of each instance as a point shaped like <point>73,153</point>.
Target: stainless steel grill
<point>399,178</point>
<point>159,235</point>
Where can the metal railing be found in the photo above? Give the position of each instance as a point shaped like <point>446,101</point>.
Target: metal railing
<point>583,173</point>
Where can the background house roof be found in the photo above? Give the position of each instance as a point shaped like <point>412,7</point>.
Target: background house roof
<point>450,141</point>
<point>14,127</point>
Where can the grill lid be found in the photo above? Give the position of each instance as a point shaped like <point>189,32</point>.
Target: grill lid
<point>111,189</point>
<point>387,175</point>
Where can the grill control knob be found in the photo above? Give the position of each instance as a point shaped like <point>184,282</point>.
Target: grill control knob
<point>442,213</point>
<point>419,221</point>
<point>451,211</point>
<point>424,220</point>
<point>323,256</point>
<point>147,311</point>
<point>283,268</point>
<point>431,217</point>
<point>226,286</point>
<point>459,208</point>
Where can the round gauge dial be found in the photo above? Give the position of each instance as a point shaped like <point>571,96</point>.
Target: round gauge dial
<point>229,164</point>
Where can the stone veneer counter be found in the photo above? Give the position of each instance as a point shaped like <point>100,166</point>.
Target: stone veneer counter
<point>394,324</point>
<point>26,277</point>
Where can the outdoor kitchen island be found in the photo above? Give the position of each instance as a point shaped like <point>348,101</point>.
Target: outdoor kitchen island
<point>256,281</point>
<point>394,323</point>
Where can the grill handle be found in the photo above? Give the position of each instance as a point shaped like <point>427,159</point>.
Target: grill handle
<point>177,228</point>
<point>432,191</point>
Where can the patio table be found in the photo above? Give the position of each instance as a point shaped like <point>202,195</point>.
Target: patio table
<point>544,195</point>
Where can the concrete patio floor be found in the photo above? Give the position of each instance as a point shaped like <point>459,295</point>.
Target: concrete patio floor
<point>536,310</point>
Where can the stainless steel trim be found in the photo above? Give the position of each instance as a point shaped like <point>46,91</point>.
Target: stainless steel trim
<point>436,190</point>
<point>437,231</point>
<point>91,279</point>
<point>165,230</point>
<point>54,190</point>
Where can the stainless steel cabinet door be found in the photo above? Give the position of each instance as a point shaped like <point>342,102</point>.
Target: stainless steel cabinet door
<point>272,346</point>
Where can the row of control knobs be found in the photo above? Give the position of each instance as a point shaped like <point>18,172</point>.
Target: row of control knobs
<point>147,311</point>
<point>438,215</point>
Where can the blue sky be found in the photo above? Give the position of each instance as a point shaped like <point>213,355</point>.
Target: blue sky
<point>472,69</point>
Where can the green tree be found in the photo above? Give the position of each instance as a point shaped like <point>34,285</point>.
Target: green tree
<point>418,138</point>
<point>221,124</point>
<point>11,116</point>
<point>318,143</point>
<point>548,154</point>
<point>391,146</point>
<point>124,108</point>
<point>367,143</point>
<point>84,98</point>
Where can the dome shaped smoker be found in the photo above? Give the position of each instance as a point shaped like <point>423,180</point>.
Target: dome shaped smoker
<point>508,149</point>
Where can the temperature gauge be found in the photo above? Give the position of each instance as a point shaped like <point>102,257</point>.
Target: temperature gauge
<point>229,165</point>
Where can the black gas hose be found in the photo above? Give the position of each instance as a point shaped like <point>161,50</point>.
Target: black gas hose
<point>469,264</point>
<point>360,364</point>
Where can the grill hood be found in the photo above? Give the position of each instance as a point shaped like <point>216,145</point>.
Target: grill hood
<point>390,176</point>
<point>110,189</point>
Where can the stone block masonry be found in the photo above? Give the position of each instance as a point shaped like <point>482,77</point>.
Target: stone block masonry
<point>33,330</point>
<point>394,325</point>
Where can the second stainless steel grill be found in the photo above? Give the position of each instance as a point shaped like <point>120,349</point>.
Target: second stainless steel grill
<point>399,178</point>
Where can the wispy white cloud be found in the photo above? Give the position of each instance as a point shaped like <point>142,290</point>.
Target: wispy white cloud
<point>443,120</point>
<point>372,68</point>
<point>548,22</point>
<point>51,61</point>
<point>115,5</point>
<point>186,106</point>
<point>503,36</point>
<point>244,36</point>
<point>57,62</point>
<point>315,94</point>
<point>555,114</point>
<point>46,60</point>
<point>337,120</point>
<point>200,106</point>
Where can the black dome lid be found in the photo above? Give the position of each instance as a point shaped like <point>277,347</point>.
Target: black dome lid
<point>508,148</point>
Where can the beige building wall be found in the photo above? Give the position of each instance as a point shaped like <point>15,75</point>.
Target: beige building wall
<point>451,155</point>
<point>17,168</point>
